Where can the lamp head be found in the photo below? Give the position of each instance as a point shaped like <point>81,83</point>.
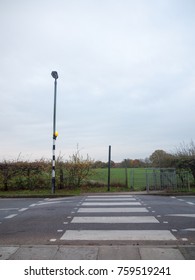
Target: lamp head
<point>54,74</point>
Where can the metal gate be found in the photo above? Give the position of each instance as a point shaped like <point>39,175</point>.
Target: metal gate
<point>153,178</point>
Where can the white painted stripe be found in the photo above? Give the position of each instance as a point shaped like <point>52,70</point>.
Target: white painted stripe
<point>48,203</point>
<point>110,203</point>
<point>53,199</point>
<point>111,196</point>
<point>8,209</point>
<point>182,215</point>
<point>108,199</point>
<point>11,216</point>
<point>118,235</point>
<point>108,220</point>
<point>189,229</point>
<point>113,210</point>
<point>23,209</point>
<point>190,203</point>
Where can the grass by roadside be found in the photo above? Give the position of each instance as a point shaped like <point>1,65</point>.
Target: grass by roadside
<point>37,193</point>
<point>83,190</point>
<point>60,192</point>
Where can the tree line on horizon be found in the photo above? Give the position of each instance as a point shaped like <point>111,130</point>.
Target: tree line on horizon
<point>77,169</point>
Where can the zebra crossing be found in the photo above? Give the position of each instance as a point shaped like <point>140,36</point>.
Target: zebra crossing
<point>115,218</point>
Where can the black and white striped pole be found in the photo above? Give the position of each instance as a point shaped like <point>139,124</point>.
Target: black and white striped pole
<point>55,133</point>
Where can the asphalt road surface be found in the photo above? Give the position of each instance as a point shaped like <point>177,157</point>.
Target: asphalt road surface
<point>99,219</point>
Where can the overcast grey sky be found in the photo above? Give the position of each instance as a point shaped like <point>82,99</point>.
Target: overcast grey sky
<point>126,76</point>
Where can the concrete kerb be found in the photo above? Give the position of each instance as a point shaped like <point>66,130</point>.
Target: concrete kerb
<point>161,193</point>
<point>103,252</point>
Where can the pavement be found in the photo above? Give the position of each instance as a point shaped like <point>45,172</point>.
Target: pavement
<point>67,252</point>
<point>99,252</point>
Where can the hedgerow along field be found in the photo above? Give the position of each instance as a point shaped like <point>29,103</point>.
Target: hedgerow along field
<point>36,178</point>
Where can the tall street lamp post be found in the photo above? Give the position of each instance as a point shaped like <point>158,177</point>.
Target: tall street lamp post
<point>55,133</point>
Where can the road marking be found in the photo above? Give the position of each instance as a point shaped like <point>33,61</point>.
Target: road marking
<point>60,230</point>
<point>8,209</point>
<point>184,239</point>
<point>189,229</point>
<point>11,216</point>
<point>56,199</point>
<point>122,219</point>
<point>52,240</point>
<point>109,196</point>
<point>190,203</point>
<point>182,215</point>
<point>112,210</point>
<point>108,199</point>
<point>110,203</point>
<point>49,202</point>
<point>23,209</point>
<point>118,235</point>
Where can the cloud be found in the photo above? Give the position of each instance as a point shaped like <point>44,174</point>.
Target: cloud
<point>126,76</point>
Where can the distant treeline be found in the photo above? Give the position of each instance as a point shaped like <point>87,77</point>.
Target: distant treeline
<point>75,171</point>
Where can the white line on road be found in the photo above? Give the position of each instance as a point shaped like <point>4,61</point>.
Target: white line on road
<point>112,210</point>
<point>182,215</point>
<point>23,209</point>
<point>118,235</point>
<point>8,209</point>
<point>10,216</point>
<point>48,203</point>
<point>122,219</point>
<point>110,203</point>
<point>109,196</point>
<point>108,199</point>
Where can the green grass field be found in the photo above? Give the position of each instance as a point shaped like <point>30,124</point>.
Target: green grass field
<point>118,176</point>
<point>139,178</point>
